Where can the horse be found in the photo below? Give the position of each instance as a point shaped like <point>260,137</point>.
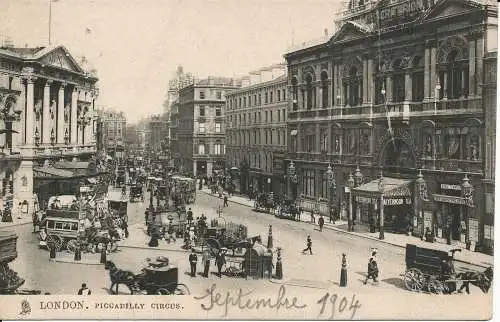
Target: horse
<point>120,276</point>
<point>483,280</point>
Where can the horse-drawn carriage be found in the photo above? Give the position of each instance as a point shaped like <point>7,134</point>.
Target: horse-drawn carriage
<point>136,193</point>
<point>433,270</point>
<point>264,202</point>
<point>157,278</point>
<point>118,209</point>
<point>164,219</point>
<point>186,187</point>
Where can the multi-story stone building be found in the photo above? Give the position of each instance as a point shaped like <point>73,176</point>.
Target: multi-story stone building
<point>402,86</point>
<point>199,133</point>
<point>256,129</point>
<point>113,132</point>
<point>46,115</point>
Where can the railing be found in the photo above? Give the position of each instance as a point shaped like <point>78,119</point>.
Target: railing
<point>314,205</point>
<point>452,165</point>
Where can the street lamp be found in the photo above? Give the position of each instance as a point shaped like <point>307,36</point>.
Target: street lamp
<point>358,181</point>
<point>52,137</point>
<point>467,192</point>
<point>37,137</point>
<point>381,208</point>
<point>330,175</point>
<point>350,184</point>
<point>421,187</point>
<point>292,176</point>
<point>66,137</point>
<point>269,184</point>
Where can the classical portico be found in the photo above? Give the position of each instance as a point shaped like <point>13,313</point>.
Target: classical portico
<point>48,101</point>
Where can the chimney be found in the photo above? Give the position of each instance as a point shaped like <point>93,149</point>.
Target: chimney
<point>210,80</point>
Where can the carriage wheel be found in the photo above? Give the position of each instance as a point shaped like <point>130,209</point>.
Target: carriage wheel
<point>72,245</point>
<point>435,286</point>
<point>162,291</point>
<point>125,289</point>
<point>414,279</point>
<point>54,242</point>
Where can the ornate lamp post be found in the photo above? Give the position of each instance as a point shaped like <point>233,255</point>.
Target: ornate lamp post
<point>66,137</point>
<point>330,175</point>
<point>52,137</point>
<point>358,180</point>
<point>37,137</point>
<point>292,176</point>
<point>350,184</point>
<point>421,189</point>
<point>436,96</point>
<point>467,192</point>
<point>381,207</point>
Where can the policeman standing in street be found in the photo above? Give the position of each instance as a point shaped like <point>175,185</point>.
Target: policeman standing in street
<point>193,259</point>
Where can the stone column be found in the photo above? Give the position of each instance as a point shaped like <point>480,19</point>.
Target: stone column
<point>444,87</point>
<point>348,94</point>
<point>74,116</point>
<point>335,85</point>
<point>472,67</point>
<point>479,68</point>
<point>319,96</point>
<point>330,141</point>
<point>370,86</point>
<point>433,75</point>
<point>408,86</point>
<point>331,98</point>
<point>45,135</point>
<point>18,125</point>
<point>300,92</point>
<point>299,137</point>
<point>30,113</point>
<point>194,167</point>
<point>60,115</point>
<point>365,81</point>
<point>2,141</point>
<point>317,144</point>
<point>427,88</point>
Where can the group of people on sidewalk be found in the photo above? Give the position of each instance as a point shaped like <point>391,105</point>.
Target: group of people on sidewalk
<point>220,261</point>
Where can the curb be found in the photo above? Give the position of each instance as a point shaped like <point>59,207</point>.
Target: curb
<point>8,225</point>
<point>153,248</point>
<point>71,261</point>
<point>361,236</point>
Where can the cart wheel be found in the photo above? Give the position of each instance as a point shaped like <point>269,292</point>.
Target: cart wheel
<point>435,286</point>
<point>54,242</point>
<point>162,291</point>
<point>72,245</point>
<point>120,289</point>
<point>414,279</point>
<point>178,289</point>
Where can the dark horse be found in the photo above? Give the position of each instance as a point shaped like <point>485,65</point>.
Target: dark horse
<point>483,280</point>
<point>120,276</point>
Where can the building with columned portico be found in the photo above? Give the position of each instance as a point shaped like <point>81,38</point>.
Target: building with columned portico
<point>402,87</point>
<point>47,115</point>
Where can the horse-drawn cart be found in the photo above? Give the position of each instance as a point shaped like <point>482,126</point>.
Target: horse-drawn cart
<point>136,193</point>
<point>433,271</point>
<point>158,278</point>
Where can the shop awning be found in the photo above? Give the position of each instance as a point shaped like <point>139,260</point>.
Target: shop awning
<point>51,173</point>
<point>393,188</point>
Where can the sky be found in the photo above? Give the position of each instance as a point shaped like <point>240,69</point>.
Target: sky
<point>136,45</point>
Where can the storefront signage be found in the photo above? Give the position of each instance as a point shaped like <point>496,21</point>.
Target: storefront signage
<point>449,199</point>
<point>488,232</point>
<point>402,11</point>
<point>474,229</point>
<point>428,219</point>
<point>445,186</point>
<point>397,201</point>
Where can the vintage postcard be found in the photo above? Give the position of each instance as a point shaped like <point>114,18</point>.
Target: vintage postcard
<point>260,159</point>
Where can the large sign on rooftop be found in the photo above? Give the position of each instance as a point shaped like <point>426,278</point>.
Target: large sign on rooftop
<point>401,11</point>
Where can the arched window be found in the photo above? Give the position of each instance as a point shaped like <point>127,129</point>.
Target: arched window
<point>295,94</point>
<point>309,92</point>
<point>417,79</point>
<point>458,76</point>
<point>398,82</point>
<point>352,88</point>
<point>324,90</point>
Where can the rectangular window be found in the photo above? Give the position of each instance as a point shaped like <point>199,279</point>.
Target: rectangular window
<point>202,95</point>
<point>202,110</point>
<point>217,127</point>
<point>270,97</point>
<point>239,104</point>
<point>279,115</point>
<point>324,186</point>
<point>218,111</point>
<point>218,95</point>
<point>278,95</point>
<point>271,116</point>
<point>217,149</point>
<point>260,99</point>
<point>418,87</point>
<point>284,115</point>
<point>201,148</point>
<point>244,102</point>
<point>265,98</point>
<point>266,116</point>
<point>308,183</point>
<point>202,127</point>
<point>284,95</point>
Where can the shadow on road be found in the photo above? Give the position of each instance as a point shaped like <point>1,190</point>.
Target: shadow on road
<point>398,282</point>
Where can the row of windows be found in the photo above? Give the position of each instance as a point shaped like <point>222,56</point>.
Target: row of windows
<point>246,118</point>
<point>308,184</point>
<point>203,110</point>
<point>219,148</point>
<point>258,137</point>
<point>202,129</point>
<point>218,95</point>
<point>269,97</point>
<point>257,161</point>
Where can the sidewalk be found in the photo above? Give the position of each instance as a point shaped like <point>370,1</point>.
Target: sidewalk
<point>16,222</point>
<point>399,240</point>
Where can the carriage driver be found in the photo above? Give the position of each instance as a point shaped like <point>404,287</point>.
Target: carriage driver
<point>447,266</point>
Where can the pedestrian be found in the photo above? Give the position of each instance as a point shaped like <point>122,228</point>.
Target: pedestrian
<point>321,222</point>
<point>225,201</point>
<point>309,245</point>
<point>313,219</point>
<point>189,216</point>
<point>193,259</point>
<point>332,215</point>
<point>206,263</point>
<point>372,269</point>
<point>220,261</point>
<point>84,290</point>
<point>171,233</point>
<point>343,272</point>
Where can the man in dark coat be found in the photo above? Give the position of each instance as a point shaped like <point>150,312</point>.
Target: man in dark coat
<point>321,222</point>
<point>309,245</point>
<point>193,259</point>
<point>220,260</point>
<point>225,201</point>
<point>189,216</point>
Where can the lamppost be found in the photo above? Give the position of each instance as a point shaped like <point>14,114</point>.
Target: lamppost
<point>330,175</point>
<point>292,176</point>
<point>350,184</point>
<point>381,208</point>
<point>37,137</point>
<point>269,184</point>
<point>421,188</point>
<point>358,180</point>
<point>467,192</point>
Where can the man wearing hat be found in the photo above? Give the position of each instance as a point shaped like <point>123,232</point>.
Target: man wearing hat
<point>372,267</point>
<point>193,259</point>
<point>309,244</point>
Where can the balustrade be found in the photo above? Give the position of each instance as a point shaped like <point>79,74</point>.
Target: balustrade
<point>452,165</point>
